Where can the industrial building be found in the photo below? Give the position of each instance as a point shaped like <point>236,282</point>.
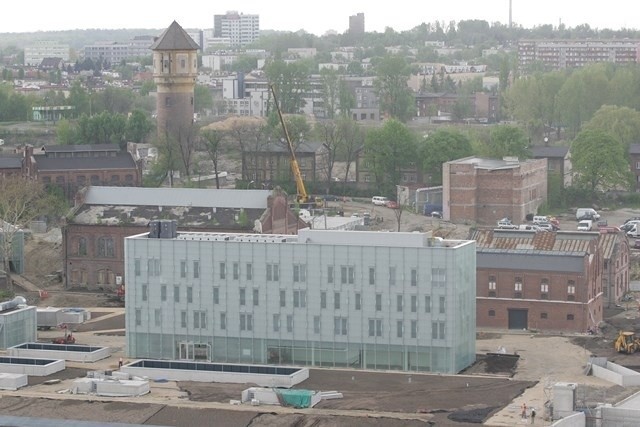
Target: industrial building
<point>391,301</point>
<point>17,322</point>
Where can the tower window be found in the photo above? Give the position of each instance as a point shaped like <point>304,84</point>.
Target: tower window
<point>167,102</point>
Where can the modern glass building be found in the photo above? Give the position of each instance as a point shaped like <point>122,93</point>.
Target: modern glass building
<point>370,300</point>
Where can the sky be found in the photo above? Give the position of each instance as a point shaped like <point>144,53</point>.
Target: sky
<point>316,17</point>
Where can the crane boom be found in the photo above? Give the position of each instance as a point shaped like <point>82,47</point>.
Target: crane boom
<point>302,195</point>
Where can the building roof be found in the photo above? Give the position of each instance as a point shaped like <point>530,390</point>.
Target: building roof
<point>560,242</point>
<point>530,260</point>
<point>11,161</point>
<point>73,148</point>
<point>122,160</point>
<point>634,149</point>
<point>492,164</point>
<point>191,197</point>
<point>540,151</point>
<point>608,242</point>
<point>174,38</point>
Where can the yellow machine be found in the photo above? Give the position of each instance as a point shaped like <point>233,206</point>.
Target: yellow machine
<point>627,342</point>
<point>303,199</point>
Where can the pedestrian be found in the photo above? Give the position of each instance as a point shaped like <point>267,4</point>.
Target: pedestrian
<point>524,411</point>
<point>533,415</point>
<point>120,363</point>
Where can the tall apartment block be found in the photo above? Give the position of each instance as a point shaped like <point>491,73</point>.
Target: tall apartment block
<point>356,23</point>
<point>561,54</point>
<point>364,300</point>
<point>241,29</point>
<point>35,53</point>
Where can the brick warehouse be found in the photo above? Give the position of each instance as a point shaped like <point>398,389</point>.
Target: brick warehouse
<point>548,281</point>
<point>486,190</point>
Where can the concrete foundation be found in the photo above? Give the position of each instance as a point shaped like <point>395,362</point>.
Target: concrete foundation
<point>71,352</point>
<point>30,366</point>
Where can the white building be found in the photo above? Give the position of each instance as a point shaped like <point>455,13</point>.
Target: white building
<point>400,301</point>
<point>18,323</point>
<point>241,29</point>
<point>35,53</point>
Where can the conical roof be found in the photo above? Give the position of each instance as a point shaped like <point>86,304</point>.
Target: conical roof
<point>174,38</point>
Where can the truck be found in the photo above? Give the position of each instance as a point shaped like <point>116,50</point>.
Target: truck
<point>303,199</point>
<point>585,225</point>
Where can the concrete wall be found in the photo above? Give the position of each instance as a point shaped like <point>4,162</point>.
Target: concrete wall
<point>616,374</point>
<point>619,417</point>
<point>98,353</point>
<point>577,419</point>
<point>35,370</point>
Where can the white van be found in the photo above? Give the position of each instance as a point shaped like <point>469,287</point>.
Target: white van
<point>585,225</point>
<point>379,200</point>
<point>540,219</point>
<point>587,213</point>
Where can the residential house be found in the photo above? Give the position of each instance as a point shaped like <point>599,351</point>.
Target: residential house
<point>558,162</point>
<point>547,281</point>
<point>483,190</point>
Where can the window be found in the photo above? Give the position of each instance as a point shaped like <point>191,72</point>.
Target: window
<point>157,314</point>
<point>438,276</point>
<point>372,275</point>
<point>492,283</point>
<point>246,322</point>
<point>336,300</point>
<point>200,319</point>
<point>163,293</point>
<point>183,318</point>
<point>375,327</point>
<point>289,323</point>
<point>249,271</point>
<point>153,267</point>
<point>399,303</point>
<point>283,298</point>
<point>176,294</point>
<point>299,298</point>
<point>223,270</point>
<point>414,329</point>
<point>358,301</point>
<point>189,294</point>
<point>136,267</point>
<point>138,315</point>
<point>437,330</point>
<point>216,295</point>
<point>299,273</point>
<point>352,274</point>
<point>414,277</point>
<point>347,274</point>
<point>236,271</point>
<point>276,323</point>
<point>243,296</point>
<point>571,287</point>
<point>223,321</point>
<point>442,305</point>
<point>105,247</point>
<point>427,304</point>
<point>183,269</point>
<point>343,274</point>
<point>145,295</point>
<point>330,274</point>
<point>543,315</point>
<point>392,276</point>
<point>273,272</point>
<point>378,302</point>
<point>569,316</point>
<point>256,297</point>
<point>544,286</point>
<point>82,250</point>
<point>340,326</point>
<point>414,303</point>
<point>399,328</point>
<point>518,286</point>
<point>196,269</point>
<point>323,299</point>
<point>316,324</point>
<point>492,313</point>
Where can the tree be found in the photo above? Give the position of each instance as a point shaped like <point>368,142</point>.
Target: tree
<point>388,150</point>
<point>138,126</point>
<point>211,142</point>
<point>65,133</point>
<point>440,147</point>
<point>291,81</point>
<point>395,97</point>
<point>330,92</point>
<point>621,122</point>
<point>21,201</point>
<point>203,100</point>
<point>508,140</point>
<point>599,162</point>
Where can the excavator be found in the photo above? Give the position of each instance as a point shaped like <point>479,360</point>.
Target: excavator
<point>627,342</point>
<point>303,199</point>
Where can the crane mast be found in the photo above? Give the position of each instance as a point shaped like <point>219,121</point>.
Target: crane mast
<point>302,196</point>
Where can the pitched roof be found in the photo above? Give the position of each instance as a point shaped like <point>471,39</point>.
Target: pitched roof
<point>122,160</point>
<point>174,38</point>
<point>11,161</point>
<point>545,151</point>
<point>74,148</point>
<point>565,242</point>
<point>634,149</point>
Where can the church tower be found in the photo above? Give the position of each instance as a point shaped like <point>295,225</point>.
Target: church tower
<point>175,68</point>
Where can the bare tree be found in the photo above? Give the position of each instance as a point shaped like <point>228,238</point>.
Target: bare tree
<point>398,214</point>
<point>211,142</point>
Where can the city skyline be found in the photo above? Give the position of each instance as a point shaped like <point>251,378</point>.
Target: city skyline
<point>287,15</point>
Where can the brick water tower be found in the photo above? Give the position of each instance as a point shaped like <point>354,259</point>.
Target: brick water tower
<point>175,68</point>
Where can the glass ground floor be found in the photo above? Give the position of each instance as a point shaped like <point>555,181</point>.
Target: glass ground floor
<point>300,353</point>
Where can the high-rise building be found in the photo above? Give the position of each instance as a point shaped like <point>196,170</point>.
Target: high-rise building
<point>356,23</point>
<point>35,53</point>
<point>352,299</point>
<point>241,29</point>
<point>175,69</point>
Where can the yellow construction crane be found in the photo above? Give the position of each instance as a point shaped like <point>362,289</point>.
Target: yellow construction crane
<point>302,196</point>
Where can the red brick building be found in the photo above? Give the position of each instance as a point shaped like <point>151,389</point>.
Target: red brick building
<point>548,281</point>
<point>93,237</point>
<point>615,272</point>
<point>485,190</point>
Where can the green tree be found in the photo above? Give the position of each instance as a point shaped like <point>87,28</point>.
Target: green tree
<point>138,126</point>
<point>621,122</point>
<point>147,87</point>
<point>244,64</point>
<point>508,140</point>
<point>440,147</point>
<point>79,98</point>
<point>65,133</point>
<point>388,150</point>
<point>395,97</point>
<point>203,100</point>
<point>330,92</point>
<point>599,162</point>
<point>291,83</point>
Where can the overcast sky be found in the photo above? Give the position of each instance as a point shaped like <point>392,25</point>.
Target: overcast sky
<point>314,16</point>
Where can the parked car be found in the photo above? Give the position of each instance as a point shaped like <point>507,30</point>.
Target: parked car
<point>633,218</point>
<point>587,213</point>
<point>392,204</point>
<point>379,200</point>
<point>585,225</point>
<point>546,226</point>
<point>506,224</point>
<point>540,219</point>
<point>436,214</point>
